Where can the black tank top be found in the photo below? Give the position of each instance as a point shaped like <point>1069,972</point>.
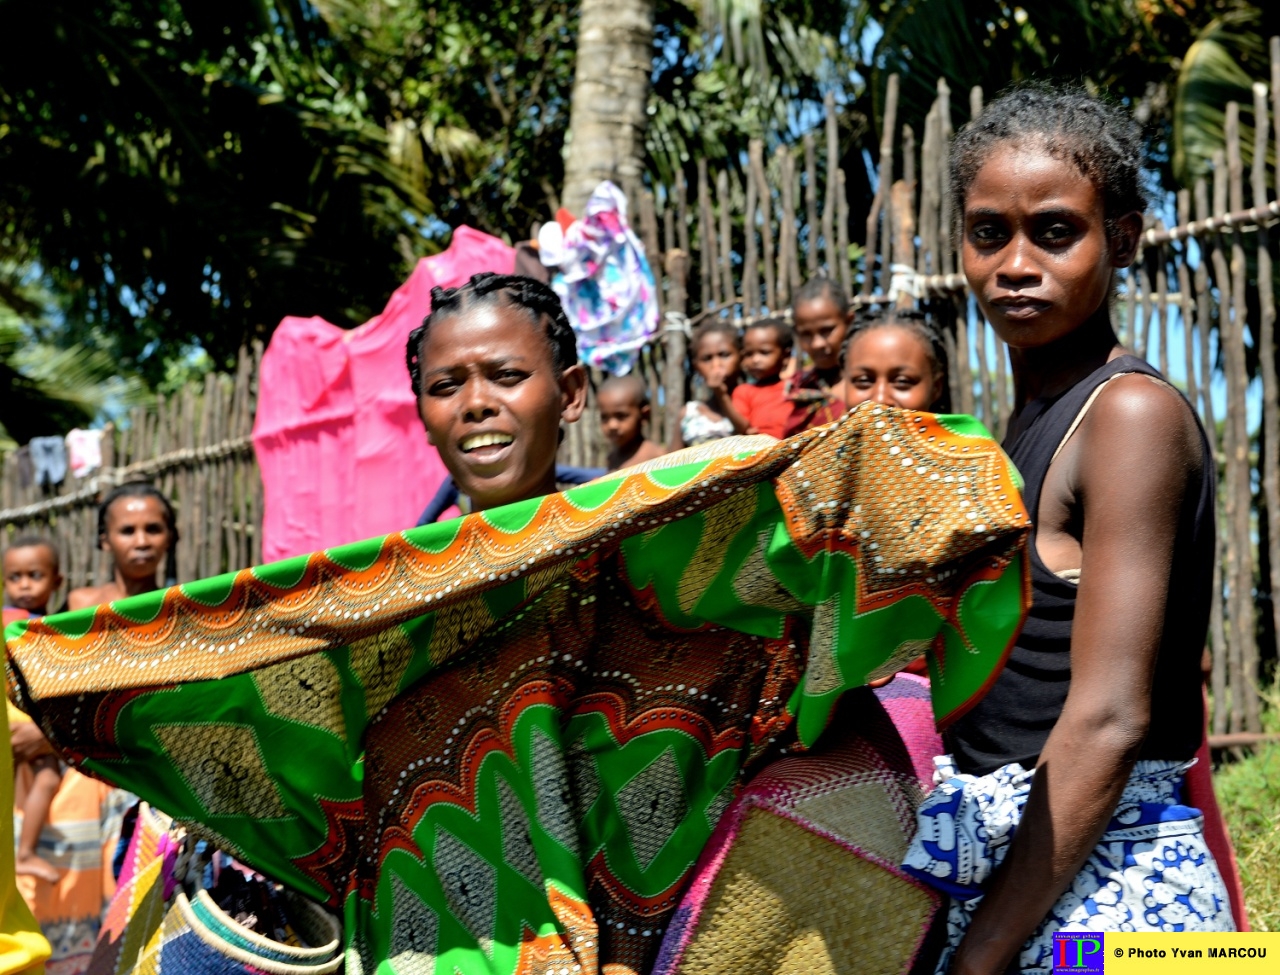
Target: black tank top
<point>1012,722</point>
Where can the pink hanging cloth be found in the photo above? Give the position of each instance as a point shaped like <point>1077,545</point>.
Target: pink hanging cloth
<point>342,452</point>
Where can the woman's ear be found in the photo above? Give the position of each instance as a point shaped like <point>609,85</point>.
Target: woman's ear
<point>938,382</point>
<point>573,393</point>
<point>1125,238</point>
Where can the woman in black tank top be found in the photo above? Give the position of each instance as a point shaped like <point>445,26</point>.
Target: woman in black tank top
<point>1102,690</point>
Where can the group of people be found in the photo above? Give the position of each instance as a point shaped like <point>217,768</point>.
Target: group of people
<point>1060,804</point>
<point>749,382</point>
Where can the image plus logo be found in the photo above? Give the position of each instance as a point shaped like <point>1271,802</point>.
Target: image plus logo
<point>1078,952</point>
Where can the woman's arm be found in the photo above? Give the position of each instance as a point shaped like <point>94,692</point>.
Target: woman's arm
<point>1134,459</point>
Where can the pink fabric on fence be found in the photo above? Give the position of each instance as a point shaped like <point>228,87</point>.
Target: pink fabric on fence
<point>341,449</point>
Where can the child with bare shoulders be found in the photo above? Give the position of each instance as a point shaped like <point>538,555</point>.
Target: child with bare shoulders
<point>761,402</point>
<point>136,524</point>
<point>715,350</point>
<point>1083,741</point>
<point>821,313</point>
<point>31,576</point>
<point>624,408</point>
<point>495,369</point>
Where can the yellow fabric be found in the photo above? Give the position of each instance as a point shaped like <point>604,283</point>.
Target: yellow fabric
<point>22,947</point>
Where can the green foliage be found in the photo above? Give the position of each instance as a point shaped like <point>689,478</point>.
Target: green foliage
<point>190,173</point>
<point>1249,793</point>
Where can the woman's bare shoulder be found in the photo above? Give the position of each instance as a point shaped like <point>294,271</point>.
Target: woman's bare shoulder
<point>86,596</point>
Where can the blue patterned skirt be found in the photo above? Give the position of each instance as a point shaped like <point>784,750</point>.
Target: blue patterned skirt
<point>1151,871</point>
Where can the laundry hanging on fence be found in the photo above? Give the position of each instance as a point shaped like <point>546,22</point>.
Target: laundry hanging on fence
<point>339,442</point>
<point>84,449</point>
<point>48,460</point>
<point>604,281</point>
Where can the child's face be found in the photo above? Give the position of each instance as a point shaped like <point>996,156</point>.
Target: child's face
<point>820,331</point>
<point>137,536</point>
<point>762,354</point>
<point>716,358</point>
<point>621,417</point>
<point>1035,246</point>
<point>30,577</point>
<point>492,402</point>
<point>890,366</point>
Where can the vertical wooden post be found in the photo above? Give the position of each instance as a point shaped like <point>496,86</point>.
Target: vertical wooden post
<point>810,205</point>
<point>842,233</point>
<point>676,342</point>
<point>788,258</point>
<point>726,239</point>
<point>755,153</point>
<point>1162,301</point>
<point>707,263</point>
<point>750,257</point>
<point>831,184</point>
<point>1219,639</point>
<point>1270,473</point>
<point>884,180</point>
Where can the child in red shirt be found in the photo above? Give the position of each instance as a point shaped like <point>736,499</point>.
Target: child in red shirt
<point>761,402</point>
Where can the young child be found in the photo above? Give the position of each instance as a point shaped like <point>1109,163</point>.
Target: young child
<point>761,403</point>
<point>1101,699</point>
<point>495,369</point>
<point>137,525</point>
<point>821,313</point>
<point>31,576</point>
<point>716,356</point>
<point>897,359</point>
<point>624,409</point>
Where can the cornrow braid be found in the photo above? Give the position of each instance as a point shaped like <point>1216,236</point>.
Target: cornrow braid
<point>541,303</point>
<point>918,324</point>
<point>1102,141</point>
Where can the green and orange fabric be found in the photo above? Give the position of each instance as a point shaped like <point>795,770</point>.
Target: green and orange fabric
<point>500,743</point>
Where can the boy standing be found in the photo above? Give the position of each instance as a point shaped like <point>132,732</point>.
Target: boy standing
<point>624,408</point>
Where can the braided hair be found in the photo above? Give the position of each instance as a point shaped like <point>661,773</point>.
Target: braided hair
<point>142,489</point>
<point>537,299</point>
<point>715,326</point>
<point>1102,141</point>
<point>917,324</point>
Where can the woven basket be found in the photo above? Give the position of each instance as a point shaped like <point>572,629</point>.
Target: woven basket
<point>801,876</point>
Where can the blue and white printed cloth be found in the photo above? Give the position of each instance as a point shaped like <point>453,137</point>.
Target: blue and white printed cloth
<point>1151,871</point>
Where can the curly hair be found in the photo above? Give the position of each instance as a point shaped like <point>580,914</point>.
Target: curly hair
<point>784,334</point>
<point>918,324</point>
<point>819,288</point>
<point>1102,141</point>
<point>539,301</point>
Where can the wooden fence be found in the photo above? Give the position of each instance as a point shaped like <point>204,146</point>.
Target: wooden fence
<point>739,243</point>
<point>1200,301</point>
<point>196,447</point>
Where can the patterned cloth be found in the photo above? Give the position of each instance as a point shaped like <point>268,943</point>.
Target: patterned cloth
<point>502,742</point>
<point>812,403</point>
<point>604,281</point>
<point>1151,870</point>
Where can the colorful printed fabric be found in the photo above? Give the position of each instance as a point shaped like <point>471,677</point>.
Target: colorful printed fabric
<point>1151,870</point>
<point>604,281</point>
<point>23,948</point>
<point>501,742</point>
<point>812,403</point>
<point>802,871</point>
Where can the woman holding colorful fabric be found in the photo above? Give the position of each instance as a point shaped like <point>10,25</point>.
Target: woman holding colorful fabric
<point>499,743</point>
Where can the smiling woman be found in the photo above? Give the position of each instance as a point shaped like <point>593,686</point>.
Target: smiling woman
<point>495,369</point>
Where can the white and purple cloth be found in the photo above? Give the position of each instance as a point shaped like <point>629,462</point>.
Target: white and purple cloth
<point>1151,870</point>
<point>604,281</point>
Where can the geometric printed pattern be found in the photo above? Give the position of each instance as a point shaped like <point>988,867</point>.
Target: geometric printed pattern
<point>545,706</point>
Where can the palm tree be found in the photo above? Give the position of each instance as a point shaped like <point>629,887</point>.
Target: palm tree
<point>607,112</point>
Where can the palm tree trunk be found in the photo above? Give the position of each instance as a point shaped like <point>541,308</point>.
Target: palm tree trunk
<point>607,112</point>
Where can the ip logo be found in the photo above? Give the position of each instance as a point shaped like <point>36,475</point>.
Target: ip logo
<point>1078,952</point>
